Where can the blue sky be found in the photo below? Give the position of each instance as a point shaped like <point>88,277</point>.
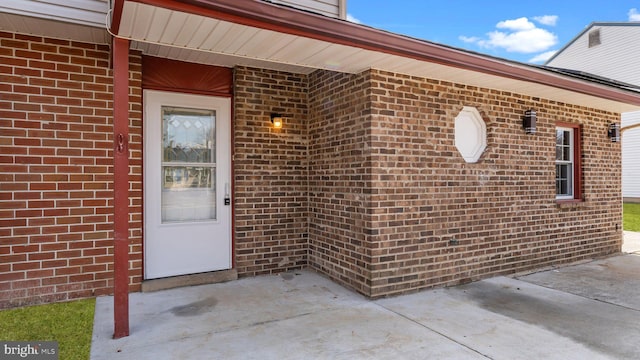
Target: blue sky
<point>526,31</point>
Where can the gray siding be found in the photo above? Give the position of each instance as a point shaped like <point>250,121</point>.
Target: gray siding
<point>84,12</point>
<point>616,57</point>
<point>324,7</point>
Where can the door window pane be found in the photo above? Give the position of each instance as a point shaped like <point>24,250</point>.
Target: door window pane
<point>188,135</point>
<point>187,177</point>
<point>188,165</point>
<point>190,195</point>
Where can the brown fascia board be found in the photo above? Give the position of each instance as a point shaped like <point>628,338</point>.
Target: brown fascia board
<point>116,15</point>
<point>284,19</point>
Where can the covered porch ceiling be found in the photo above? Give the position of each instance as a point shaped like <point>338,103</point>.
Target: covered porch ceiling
<point>261,34</point>
<point>265,35</point>
<point>182,36</point>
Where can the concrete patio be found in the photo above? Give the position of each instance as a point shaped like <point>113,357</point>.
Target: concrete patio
<point>587,311</point>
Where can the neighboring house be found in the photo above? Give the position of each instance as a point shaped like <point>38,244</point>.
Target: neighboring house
<point>611,50</point>
<point>135,161</point>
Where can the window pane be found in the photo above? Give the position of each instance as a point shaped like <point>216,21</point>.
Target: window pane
<point>563,145</point>
<point>566,153</point>
<point>566,138</point>
<point>188,191</point>
<point>561,187</point>
<point>188,194</point>
<point>186,177</point>
<point>559,137</point>
<point>564,179</point>
<point>188,135</point>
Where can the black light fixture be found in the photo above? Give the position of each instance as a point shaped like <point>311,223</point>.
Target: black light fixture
<point>529,121</point>
<point>276,120</point>
<point>614,132</point>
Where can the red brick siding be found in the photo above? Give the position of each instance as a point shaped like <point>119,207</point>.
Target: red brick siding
<point>56,179</point>
<point>363,183</point>
<point>270,169</point>
<point>501,210</point>
<point>340,188</point>
<point>388,191</point>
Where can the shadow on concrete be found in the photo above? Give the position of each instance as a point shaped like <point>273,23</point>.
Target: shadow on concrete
<point>587,311</point>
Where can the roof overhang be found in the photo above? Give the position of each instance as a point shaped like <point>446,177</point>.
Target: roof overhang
<point>266,35</point>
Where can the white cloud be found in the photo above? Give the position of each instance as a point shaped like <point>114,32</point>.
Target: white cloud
<point>549,20</point>
<point>469,39</point>
<point>517,35</point>
<point>352,19</point>
<point>528,41</point>
<point>634,15</point>
<point>540,58</point>
<point>520,24</point>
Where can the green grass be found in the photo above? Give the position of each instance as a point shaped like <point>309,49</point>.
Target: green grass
<point>69,323</point>
<point>631,217</point>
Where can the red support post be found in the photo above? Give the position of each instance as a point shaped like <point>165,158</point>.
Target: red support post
<point>121,186</point>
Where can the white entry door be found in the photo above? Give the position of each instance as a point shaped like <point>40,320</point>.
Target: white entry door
<point>187,181</point>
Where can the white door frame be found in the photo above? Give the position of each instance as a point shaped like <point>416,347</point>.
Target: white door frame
<point>172,249</point>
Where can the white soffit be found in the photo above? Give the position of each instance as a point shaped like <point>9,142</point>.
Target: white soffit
<point>190,37</point>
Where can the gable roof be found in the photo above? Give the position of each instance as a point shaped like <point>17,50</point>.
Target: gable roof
<point>586,30</point>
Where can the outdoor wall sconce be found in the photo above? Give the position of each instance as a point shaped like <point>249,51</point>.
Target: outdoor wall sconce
<point>276,120</point>
<point>529,122</point>
<point>614,132</point>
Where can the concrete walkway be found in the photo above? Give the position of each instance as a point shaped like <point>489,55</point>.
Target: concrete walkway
<point>588,311</point>
<point>631,242</point>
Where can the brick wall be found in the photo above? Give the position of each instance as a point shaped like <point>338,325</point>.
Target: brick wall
<point>394,207</point>
<point>363,182</point>
<point>500,211</point>
<point>56,175</point>
<point>340,188</point>
<point>270,170</point>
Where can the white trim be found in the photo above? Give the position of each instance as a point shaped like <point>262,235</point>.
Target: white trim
<point>172,249</point>
<point>571,162</point>
<point>470,134</point>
